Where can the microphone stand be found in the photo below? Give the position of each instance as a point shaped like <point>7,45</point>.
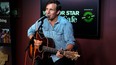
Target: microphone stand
<point>40,27</point>
<point>32,41</point>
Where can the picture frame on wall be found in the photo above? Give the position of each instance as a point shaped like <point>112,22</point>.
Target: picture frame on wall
<point>5,35</point>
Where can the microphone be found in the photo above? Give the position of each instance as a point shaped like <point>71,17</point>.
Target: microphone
<point>42,18</point>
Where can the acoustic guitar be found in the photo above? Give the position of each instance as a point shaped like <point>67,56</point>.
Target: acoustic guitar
<point>47,48</point>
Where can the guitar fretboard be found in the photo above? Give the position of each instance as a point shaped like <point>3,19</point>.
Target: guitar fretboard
<point>51,50</point>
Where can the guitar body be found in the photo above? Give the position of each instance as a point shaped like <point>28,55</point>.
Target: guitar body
<point>48,47</point>
<point>35,52</point>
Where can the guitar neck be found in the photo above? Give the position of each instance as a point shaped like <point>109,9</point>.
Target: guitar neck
<point>51,50</point>
<point>68,54</point>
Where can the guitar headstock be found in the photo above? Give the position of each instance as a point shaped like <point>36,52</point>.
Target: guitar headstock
<point>71,54</point>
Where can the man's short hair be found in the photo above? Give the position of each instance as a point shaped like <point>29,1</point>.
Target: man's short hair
<point>55,2</point>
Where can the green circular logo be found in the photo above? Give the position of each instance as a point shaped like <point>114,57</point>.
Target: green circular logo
<point>88,17</point>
